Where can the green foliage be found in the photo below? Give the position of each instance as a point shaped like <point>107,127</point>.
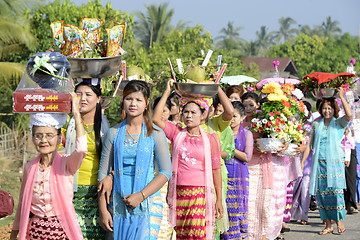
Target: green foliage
<point>315,54</point>
<point>302,51</point>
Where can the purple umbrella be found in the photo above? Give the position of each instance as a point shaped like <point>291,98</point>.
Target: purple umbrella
<point>279,80</point>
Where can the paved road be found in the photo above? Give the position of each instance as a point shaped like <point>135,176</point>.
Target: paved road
<point>305,232</point>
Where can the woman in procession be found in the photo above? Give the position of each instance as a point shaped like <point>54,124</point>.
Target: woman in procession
<point>328,171</point>
<point>45,209</point>
<point>196,169</point>
<point>130,150</point>
<point>238,176</point>
<point>86,178</point>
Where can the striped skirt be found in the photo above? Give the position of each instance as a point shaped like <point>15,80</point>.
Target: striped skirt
<point>190,212</point>
<point>330,201</point>
<point>45,228</point>
<point>289,199</point>
<point>86,208</point>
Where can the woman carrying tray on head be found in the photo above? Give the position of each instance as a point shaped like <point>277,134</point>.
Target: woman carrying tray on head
<point>196,169</point>
<point>45,209</point>
<point>86,179</point>
<point>328,173</point>
<point>131,149</point>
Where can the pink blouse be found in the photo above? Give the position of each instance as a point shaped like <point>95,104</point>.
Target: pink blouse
<point>41,201</point>
<point>191,168</point>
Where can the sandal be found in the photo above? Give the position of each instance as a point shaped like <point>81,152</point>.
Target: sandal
<point>341,229</point>
<point>326,231</point>
<point>304,222</point>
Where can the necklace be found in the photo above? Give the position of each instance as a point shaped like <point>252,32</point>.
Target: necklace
<point>89,128</point>
<point>42,181</point>
<point>133,138</point>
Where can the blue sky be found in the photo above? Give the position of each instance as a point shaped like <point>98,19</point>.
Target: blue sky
<point>252,14</point>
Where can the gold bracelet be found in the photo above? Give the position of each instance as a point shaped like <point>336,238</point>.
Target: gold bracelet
<point>143,194</point>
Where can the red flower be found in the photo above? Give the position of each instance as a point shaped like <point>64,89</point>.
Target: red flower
<point>260,129</point>
<point>278,119</point>
<point>277,124</point>
<point>271,114</point>
<point>254,125</point>
<point>282,122</point>
<point>267,125</point>
<point>278,130</point>
<point>278,113</point>
<point>270,123</point>
<point>299,127</point>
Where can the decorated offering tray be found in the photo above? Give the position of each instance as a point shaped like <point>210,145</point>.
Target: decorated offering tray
<point>325,93</point>
<point>95,67</point>
<point>196,89</point>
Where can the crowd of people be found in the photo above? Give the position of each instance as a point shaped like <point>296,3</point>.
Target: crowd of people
<point>181,167</point>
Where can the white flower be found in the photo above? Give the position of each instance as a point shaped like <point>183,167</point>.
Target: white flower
<point>298,93</point>
<point>271,118</point>
<point>254,120</point>
<point>264,121</point>
<point>282,115</point>
<point>306,112</point>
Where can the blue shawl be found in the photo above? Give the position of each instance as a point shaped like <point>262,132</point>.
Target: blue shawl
<point>133,225</point>
<point>334,154</point>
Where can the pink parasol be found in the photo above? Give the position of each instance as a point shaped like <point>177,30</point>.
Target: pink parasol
<point>277,80</point>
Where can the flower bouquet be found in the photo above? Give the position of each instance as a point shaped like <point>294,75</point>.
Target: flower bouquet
<point>279,118</point>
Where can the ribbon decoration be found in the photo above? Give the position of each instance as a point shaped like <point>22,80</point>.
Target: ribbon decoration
<point>42,62</point>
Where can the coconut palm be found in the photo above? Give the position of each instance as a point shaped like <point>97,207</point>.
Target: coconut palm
<point>330,28</point>
<point>15,34</point>
<point>285,32</point>
<point>264,40</point>
<point>153,25</point>
<point>230,38</point>
<point>251,49</point>
<point>307,30</point>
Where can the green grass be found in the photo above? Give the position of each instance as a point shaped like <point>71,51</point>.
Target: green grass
<point>10,182</point>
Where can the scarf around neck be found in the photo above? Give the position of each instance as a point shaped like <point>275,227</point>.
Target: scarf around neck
<point>334,153</point>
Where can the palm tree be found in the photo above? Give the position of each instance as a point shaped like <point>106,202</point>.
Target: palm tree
<point>330,28</point>
<point>15,34</point>
<point>251,49</point>
<point>155,23</point>
<point>285,31</point>
<point>305,29</point>
<point>230,38</point>
<point>264,40</point>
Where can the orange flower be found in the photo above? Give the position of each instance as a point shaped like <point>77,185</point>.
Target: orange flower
<point>286,104</point>
<point>301,106</point>
<point>288,88</point>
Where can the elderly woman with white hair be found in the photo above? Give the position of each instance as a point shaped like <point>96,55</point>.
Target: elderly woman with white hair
<point>45,209</point>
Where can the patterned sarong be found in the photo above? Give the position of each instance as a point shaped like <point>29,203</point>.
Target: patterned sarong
<point>190,212</point>
<point>86,208</point>
<point>46,228</point>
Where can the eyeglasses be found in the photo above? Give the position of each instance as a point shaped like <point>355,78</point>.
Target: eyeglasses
<point>48,136</point>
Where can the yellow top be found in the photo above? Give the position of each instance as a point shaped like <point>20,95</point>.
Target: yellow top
<point>88,172</point>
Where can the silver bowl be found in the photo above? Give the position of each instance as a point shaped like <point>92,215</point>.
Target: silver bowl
<point>197,89</point>
<point>95,67</point>
<point>325,93</point>
<point>106,101</point>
